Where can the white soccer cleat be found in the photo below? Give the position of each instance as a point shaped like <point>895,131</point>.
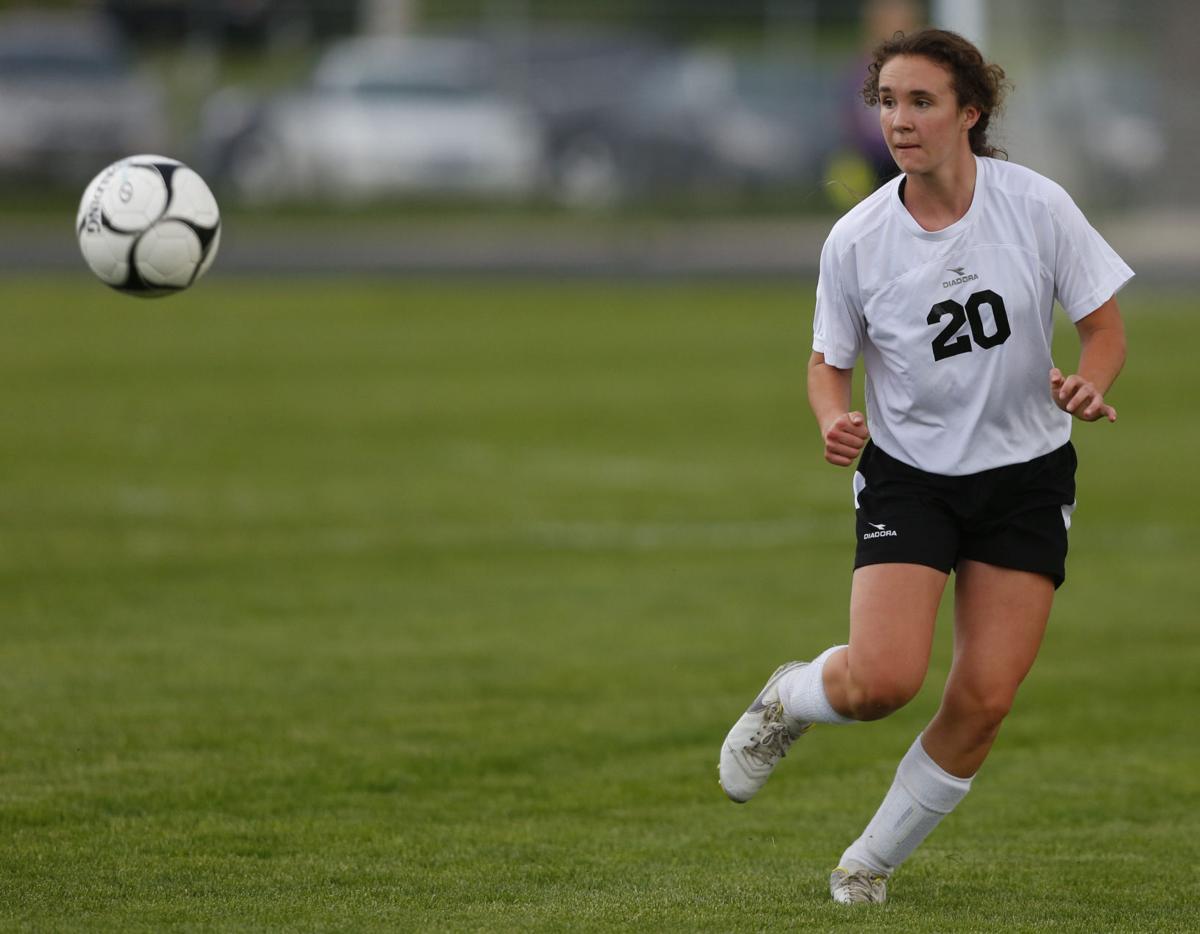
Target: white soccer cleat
<point>858,886</point>
<point>759,739</point>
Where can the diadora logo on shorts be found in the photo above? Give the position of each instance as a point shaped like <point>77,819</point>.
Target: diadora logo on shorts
<point>960,276</point>
<point>881,531</point>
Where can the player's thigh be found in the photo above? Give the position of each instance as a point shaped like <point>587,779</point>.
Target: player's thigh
<point>893,611</point>
<point>1000,617</point>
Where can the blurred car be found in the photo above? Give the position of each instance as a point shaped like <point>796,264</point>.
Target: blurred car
<point>630,119</point>
<point>70,99</point>
<point>1129,122</point>
<point>1098,125</point>
<point>381,116</point>
<point>577,81</point>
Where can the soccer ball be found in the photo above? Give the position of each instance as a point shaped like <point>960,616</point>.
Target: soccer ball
<point>148,225</point>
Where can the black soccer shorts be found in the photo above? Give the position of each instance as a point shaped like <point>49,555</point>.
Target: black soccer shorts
<point>1014,516</point>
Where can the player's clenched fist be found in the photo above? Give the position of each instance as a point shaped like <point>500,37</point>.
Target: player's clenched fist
<point>845,437</point>
<point>1081,398</point>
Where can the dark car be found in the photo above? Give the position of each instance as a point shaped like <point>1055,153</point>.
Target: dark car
<point>628,118</point>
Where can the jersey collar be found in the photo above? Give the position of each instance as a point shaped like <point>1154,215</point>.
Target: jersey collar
<point>908,223</point>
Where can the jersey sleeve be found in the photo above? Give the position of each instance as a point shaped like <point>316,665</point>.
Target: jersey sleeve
<point>839,327</point>
<point>1087,271</point>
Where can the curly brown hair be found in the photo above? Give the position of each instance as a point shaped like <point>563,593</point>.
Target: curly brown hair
<point>976,83</point>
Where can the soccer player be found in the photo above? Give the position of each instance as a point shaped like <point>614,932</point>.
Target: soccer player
<point>944,281</point>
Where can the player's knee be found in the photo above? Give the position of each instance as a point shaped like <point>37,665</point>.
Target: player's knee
<point>991,713</point>
<point>982,712</point>
<point>875,697</point>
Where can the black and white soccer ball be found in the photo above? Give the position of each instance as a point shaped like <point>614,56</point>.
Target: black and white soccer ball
<point>148,225</point>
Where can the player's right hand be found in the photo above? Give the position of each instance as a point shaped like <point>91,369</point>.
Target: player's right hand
<point>844,438</point>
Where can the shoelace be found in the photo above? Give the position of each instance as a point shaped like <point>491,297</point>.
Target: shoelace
<point>860,885</point>
<point>771,742</point>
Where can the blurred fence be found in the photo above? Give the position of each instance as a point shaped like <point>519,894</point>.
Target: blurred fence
<point>584,104</point>
<point>584,107</point>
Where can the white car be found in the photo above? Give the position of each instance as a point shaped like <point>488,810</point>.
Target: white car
<point>70,99</point>
<point>388,116</point>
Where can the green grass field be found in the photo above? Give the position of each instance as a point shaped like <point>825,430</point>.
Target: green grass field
<point>333,605</point>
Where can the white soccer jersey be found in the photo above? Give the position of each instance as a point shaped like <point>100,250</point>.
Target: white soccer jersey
<point>954,325</point>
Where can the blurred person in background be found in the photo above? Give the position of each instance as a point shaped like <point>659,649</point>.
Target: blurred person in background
<point>944,281</point>
<point>864,162</point>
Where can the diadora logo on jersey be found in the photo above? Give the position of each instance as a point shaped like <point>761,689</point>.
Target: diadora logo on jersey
<point>881,531</point>
<point>960,276</point>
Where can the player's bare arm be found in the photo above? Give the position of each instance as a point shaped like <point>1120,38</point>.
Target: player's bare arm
<point>844,432</point>
<point>1101,356</point>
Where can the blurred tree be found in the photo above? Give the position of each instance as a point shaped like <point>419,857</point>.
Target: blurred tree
<point>252,23</point>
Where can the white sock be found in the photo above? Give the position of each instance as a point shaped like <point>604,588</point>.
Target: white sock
<point>803,692</point>
<point>922,794</point>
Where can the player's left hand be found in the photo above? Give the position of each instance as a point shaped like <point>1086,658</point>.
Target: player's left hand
<point>1081,398</point>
